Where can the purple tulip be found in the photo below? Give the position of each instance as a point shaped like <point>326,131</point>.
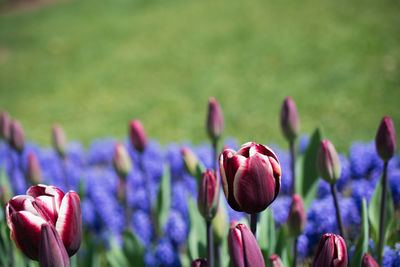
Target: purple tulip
<point>42,204</point>
<point>121,161</point>
<point>52,252</point>
<point>199,263</point>
<point>275,261</point>
<point>331,251</point>
<point>328,163</point>
<point>385,139</point>
<point>368,261</point>
<point>34,173</point>
<point>243,247</point>
<point>215,120</point>
<point>17,137</point>
<point>289,119</point>
<point>59,140</point>
<point>297,216</point>
<point>251,177</point>
<point>208,196</point>
<point>5,126</point>
<point>138,135</point>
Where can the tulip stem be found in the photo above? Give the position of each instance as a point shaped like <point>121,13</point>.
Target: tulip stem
<point>215,144</point>
<point>217,251</point>
<point>11,252</point>
<point>253,223</point>
<point>210,245</point>
<point>338,217</point>
<point>65,171</point>
<point>293,164</point>
<point>295,252</point>
<point>383,213</point>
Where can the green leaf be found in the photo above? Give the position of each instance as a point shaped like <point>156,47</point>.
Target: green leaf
<point>163,199</point>
<point>115,257</point>
<point>362,242</point>
<point>267,233</point>
<point>133,248</point>
<point>197,234</point>
<point>200,169</point>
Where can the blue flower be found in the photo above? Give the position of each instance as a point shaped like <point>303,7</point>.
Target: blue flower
<point>176,228</point>
<point>280,209</point>
<point>142,226</point>
<point>166,254</point>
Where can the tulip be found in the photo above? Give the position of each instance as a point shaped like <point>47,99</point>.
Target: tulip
<point>251,177</point>
<point>59,140</point>
<point>190,160</point>
<point>5,126</point>
<point>385,139</point>
<point>17,137</point>
<point>275,261</point>
<point>52,252</point>
<point>289,119</point>
<point>208,196</point>
<point>122,161</point>
<point>368,261</point>
<point>297,216</point>
<point>331,251</point>
<point>328,163</point>
<point>34,173</point>
<point>243,247</point>
<point>138,135</point>
<point>215,120</point>
<point>25,215</point>
<point>199,263</point>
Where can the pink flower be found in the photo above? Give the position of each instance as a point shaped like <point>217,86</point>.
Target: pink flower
<point>331,251</point>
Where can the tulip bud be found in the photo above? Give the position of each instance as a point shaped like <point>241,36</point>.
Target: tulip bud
<point>297,216</point>
<point>331,251</point>
<point>138,135</point>
<point>17,137</point>
<point>208,196</point>
<point>243,247</point>
<point>34,173</point>
<point>368,261</point>
<point>328,163</point>
<point>289,119</point>
<point>52,252</point>
<point>385,139</point>
<point>5,126</point>
<point>219,225</point>
<point>190,160</point>
<point>215,120</point>
<point>199,263</point>
<point>122,161</point>
<point>59,140</point>
<point>275,261</point>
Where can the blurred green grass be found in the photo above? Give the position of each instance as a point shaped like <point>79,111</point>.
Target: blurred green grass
<point>94,65</point>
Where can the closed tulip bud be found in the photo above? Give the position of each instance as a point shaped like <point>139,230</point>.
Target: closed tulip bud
<point>219,225</point>
<point>34,173</point>
<point>138,135</point>
<point>331,251</point>
<point>243,247</point>
<point>4,126</point>
<point>17,137</point>
<point>208,196</point>
<point>199,263</point>
<point>385,139</point>
<point>368,261</point>
<point>275,261</point>
<point>289,119</point>
<point>251,177</point>
<point>122,161</point>
<point>297,216</point>
<point>190,160</point>
<point>59,140</point>
<point>328,163</point>
<point>52,252</point>
<point>215,120</point>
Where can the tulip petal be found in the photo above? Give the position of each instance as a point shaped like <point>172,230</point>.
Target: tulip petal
<point>40,190</point>
<point>69,222</point>
<point>341,260</point>
<point>52,252</point>
<point>235,244</point>
<point>325,252</point>
<point>254,257</point>
<point>26,232</point>
<point>49,206</point>
<point>254,184</point>
<point>19,203</point>
<point>245,149</point>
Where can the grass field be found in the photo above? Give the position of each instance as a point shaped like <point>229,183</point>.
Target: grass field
<point>93,65</point>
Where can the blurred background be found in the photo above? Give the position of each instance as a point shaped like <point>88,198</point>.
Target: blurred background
<point>93,65</point>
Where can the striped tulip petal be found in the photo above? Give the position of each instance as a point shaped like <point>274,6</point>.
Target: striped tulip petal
<point>52,252</point>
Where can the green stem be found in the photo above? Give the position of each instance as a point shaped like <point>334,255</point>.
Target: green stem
<point>295,252</point>
<point>253,223</point>
<point>210,245</point>
<point>382,214</point>
<point>293,165</point>
<point>338,217</point>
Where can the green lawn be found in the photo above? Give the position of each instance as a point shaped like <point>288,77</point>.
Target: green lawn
<point>93,65</point>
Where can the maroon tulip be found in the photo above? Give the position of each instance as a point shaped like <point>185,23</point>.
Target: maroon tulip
<point>121,161</point>
<point>368,261</point>
<point>34,173</point>
<point>328,163</point>
<point>5,126</point>
<point>138,135</point>
<point>208,196</point>
<point>17,137</point>
<point>59,140</point>
<point>243,247</point>
<point>385,139</point>
<point>297,216</point>
<point>52,252</point>
<point>289,119</point>
<point>251,177</point>
<point>199,263</point>
<point>331,251</point>
<point>215,120</point>
<point>275,261</point>
<point>44,204</point>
